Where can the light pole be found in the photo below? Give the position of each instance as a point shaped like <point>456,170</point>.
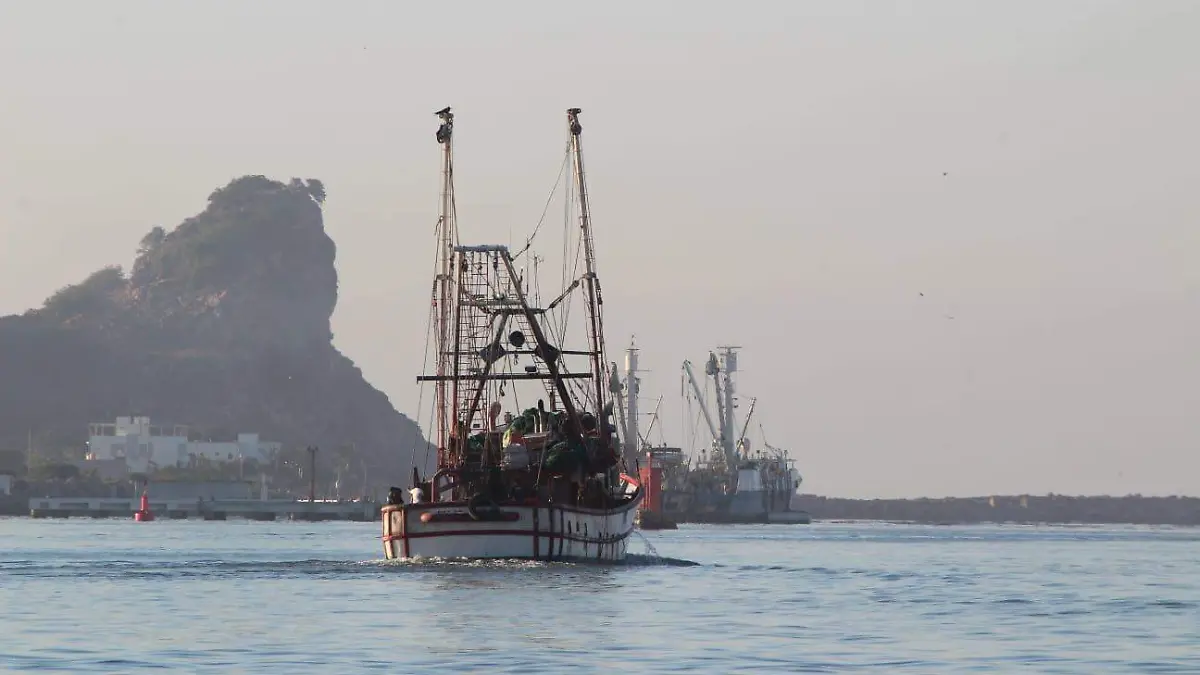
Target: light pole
<point>312,473</point>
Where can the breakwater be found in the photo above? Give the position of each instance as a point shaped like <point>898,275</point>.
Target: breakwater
<point>214,509</point>
<point>1050,509</point>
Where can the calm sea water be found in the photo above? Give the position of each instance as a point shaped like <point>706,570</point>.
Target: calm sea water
<point>113,596</point>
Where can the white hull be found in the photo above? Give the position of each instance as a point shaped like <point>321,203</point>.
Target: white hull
<point>545,532</point>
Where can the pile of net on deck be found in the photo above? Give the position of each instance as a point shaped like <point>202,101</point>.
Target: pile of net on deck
<point>521,425</point>
<point>562,455</point>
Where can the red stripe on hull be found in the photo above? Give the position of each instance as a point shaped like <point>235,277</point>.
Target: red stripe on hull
<point>424,506</point>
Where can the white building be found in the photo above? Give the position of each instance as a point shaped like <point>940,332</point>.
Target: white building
<point>6,481</point>
<point>145,447</point>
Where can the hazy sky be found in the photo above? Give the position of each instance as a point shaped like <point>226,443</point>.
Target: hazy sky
<point>787,176</point>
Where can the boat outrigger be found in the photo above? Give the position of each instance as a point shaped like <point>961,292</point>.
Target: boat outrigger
<point>546,482</point>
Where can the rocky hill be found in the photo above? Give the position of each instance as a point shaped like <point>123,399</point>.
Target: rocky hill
<point>223,324</point>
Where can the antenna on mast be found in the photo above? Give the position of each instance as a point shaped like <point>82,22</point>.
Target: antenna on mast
<point>447,128</point>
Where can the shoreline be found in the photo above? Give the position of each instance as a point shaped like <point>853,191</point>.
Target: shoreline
<point>1018,509</point>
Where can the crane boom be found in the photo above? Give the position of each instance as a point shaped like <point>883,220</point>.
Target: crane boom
<point>691,378</point>
<point>745,427</point>
<point>653,421</point>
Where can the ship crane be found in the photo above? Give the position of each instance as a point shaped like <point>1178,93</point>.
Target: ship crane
<point>653,421</point>
<point>782,454</point>
<point>767,445</point>
<point>741,444</point>
<point>690,377</point>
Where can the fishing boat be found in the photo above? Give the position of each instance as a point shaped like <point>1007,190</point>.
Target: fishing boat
<point>513,478</point>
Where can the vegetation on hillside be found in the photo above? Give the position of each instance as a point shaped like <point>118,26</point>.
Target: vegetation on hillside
<point>96,297</point>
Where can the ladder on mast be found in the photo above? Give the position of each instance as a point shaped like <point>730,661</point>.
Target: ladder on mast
<point>477,283</point>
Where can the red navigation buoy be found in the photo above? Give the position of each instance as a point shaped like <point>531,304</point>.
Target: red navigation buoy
<point>143,514</point>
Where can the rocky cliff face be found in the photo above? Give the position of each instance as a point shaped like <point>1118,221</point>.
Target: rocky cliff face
<point>223,323</point>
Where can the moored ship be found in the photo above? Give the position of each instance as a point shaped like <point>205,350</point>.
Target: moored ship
<point>727,481</point>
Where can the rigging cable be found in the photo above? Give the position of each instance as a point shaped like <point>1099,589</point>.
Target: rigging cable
<point>425,364</point>
<point>549,198</point>
<point>580,389</point>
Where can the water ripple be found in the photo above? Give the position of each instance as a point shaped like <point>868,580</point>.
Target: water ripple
<point>200,597</point>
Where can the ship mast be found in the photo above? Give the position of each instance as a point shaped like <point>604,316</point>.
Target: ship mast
<point>632,387</point>
<point>444,284</point>
<point>728,366</point>
<point>591,282</point>
<point>721,370</point>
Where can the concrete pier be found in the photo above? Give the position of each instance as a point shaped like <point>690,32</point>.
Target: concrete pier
<point>218,509</point>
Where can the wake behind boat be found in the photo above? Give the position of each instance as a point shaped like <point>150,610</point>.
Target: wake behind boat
<point>544,482</point>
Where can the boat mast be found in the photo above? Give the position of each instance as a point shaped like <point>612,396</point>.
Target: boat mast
<point>591,282</point>
<point>444,284</point>
<point>617,388</point>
